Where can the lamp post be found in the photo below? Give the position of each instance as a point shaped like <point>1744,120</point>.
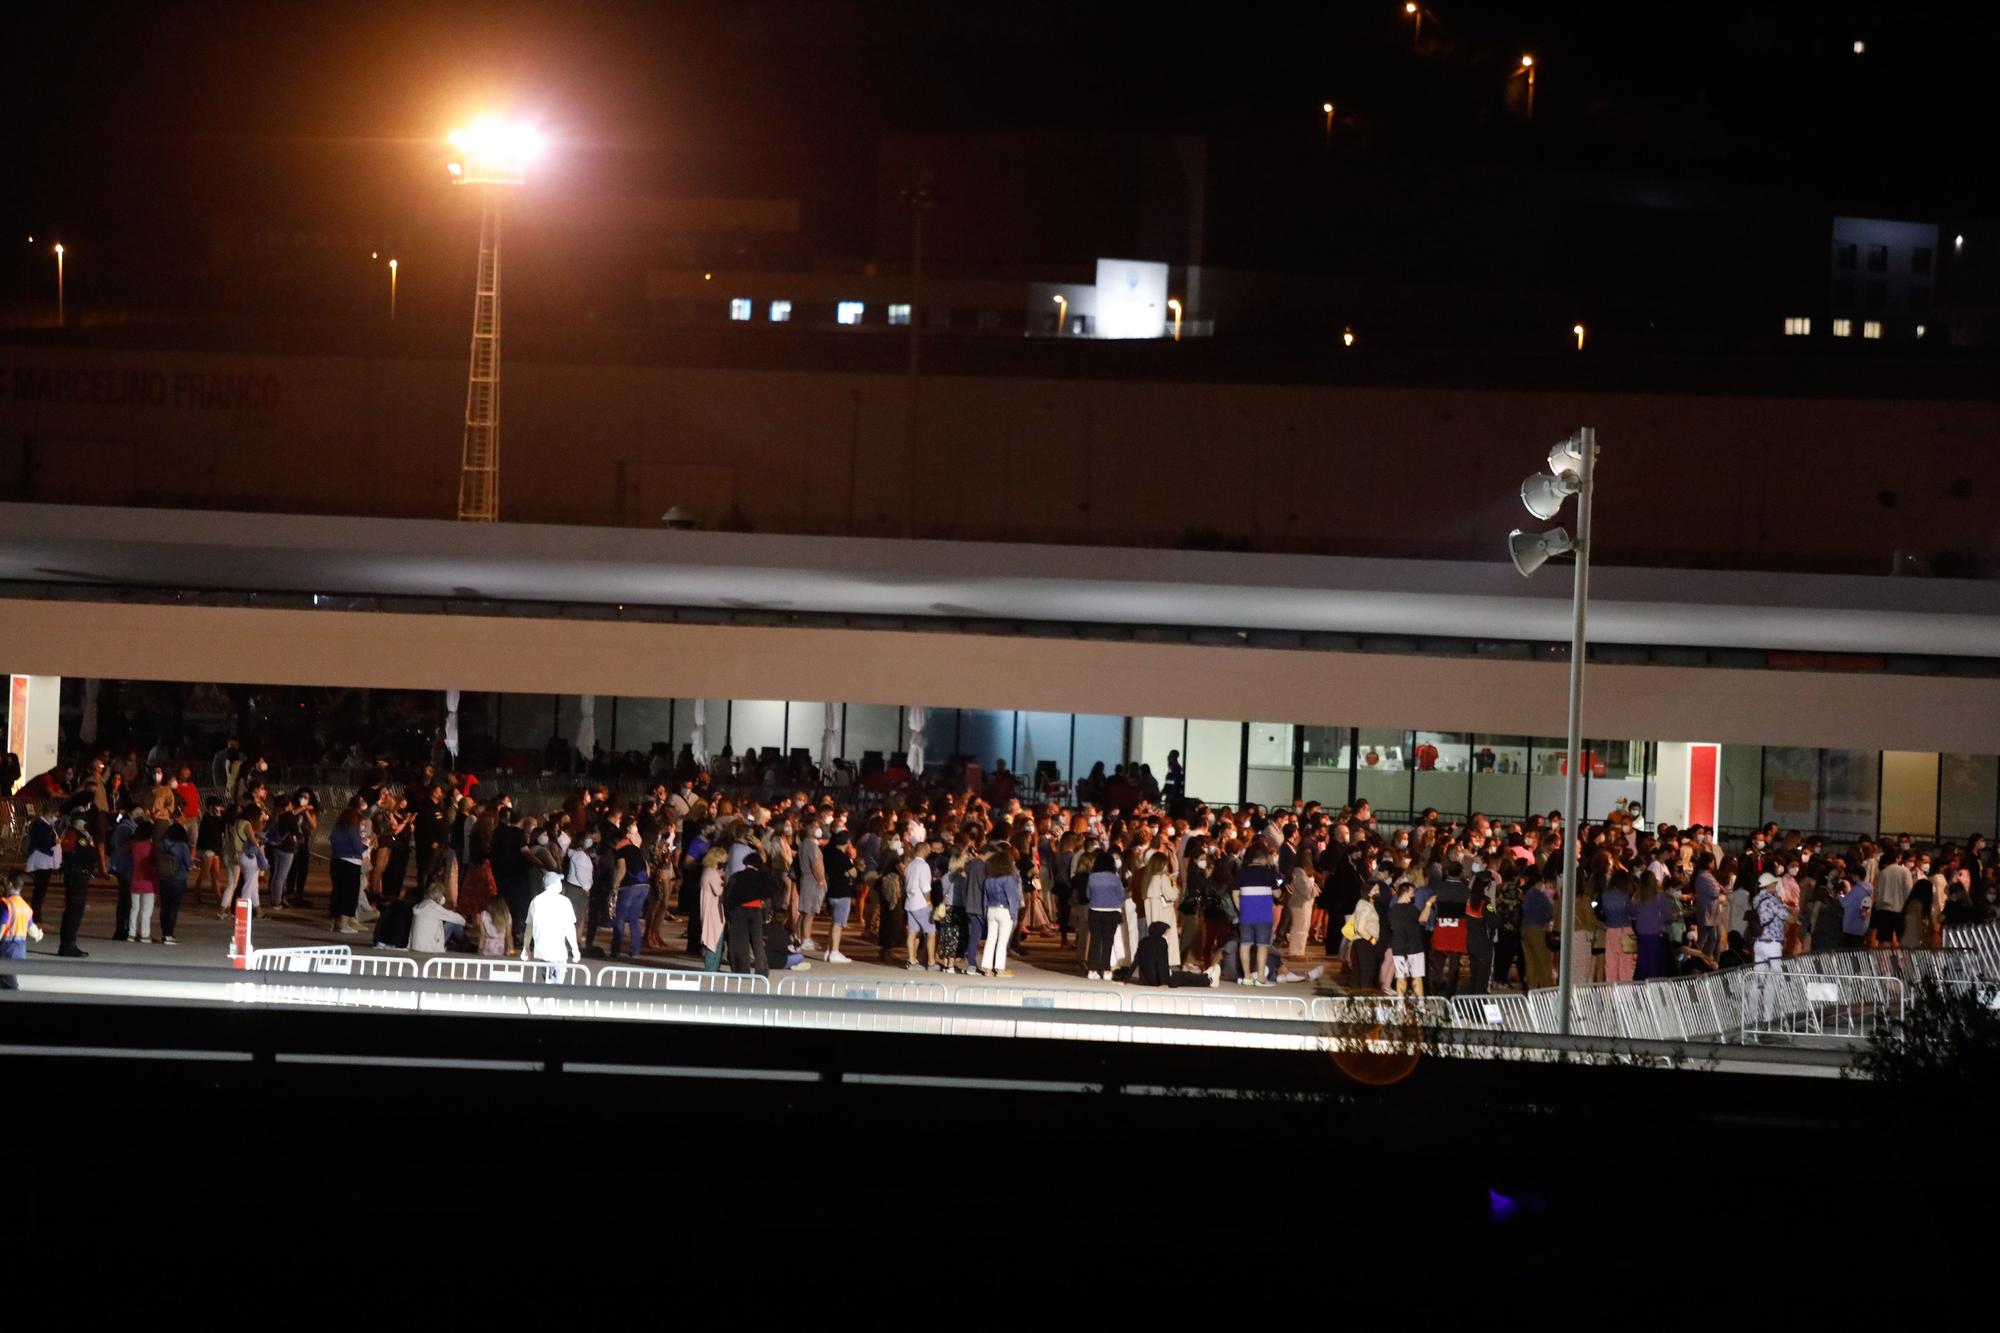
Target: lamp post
<point>1416,13</point>
<point>1578,331</point>
<point>1527,67</point>
<point>1062,314</point>
<point>61,318</point>
<point>1174,304</point>
<point>495,155</point>
<point>392,291</point>
<point>1572,471</point>
<point>1327,107</point>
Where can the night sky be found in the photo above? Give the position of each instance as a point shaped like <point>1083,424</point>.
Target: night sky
<point>129,127</point>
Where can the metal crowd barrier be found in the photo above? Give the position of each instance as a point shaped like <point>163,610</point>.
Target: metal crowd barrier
<point>889,993</point>
<point>1983,941</point>
<point>1793,1006</point>
<point>1500,1011</point>
<point>666,978</point>
<point>332,960</point>
<point>1210,1004</point>
<point>1038,999</point>
<point>463,968</point>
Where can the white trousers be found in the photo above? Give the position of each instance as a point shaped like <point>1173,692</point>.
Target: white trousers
<point>140,924</point>
<point>993,953</point>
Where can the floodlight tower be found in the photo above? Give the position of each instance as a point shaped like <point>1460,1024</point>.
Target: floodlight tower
<point>1572,471</point>
<point>492,155</point>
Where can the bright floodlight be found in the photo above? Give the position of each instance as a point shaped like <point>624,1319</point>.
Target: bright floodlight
<point>1566,455</point>
<point>495,153</point>
<point>1544,495</point>
<point>1531,550</point>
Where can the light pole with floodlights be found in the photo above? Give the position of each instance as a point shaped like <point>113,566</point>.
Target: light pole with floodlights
<point>1572,471</point>
<point>493,155</point>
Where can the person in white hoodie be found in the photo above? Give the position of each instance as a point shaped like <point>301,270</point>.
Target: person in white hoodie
<point>551,931</point>
<point>433,926</point>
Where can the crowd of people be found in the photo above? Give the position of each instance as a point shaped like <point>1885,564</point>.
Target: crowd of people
<point>1130,882</point>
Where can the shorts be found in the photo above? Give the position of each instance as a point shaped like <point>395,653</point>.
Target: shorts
<point>1253,932</point>
<point>1887,926</point>
<point>840,907</point>
<point>919,919</point>
<point>1409,965</point>
<point>811,899</point>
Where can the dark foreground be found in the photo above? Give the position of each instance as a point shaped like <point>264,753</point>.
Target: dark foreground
<point>710,1145</point>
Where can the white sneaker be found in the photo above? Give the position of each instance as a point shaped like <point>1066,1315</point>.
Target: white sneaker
<point>913,967</point>
<point>838,958</point>
<point>1287,978</point>
<point>143,939</point>
<point>803,967</point>
<point>1316,973</point>
<point>808,947</point>
<point>1215,973</point>
<point>170,940</point>
<point>346,930</point>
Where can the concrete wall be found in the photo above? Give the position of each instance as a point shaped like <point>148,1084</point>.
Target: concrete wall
<point>1125,678</point>
<point>1697,480</point>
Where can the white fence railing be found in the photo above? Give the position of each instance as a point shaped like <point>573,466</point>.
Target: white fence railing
<point>886,994</point>
<point>1036,1004</point>
<point>1795,1006</point>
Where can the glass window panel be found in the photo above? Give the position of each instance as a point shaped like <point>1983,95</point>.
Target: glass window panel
<point>754,724</point>
<point>717,710</point>
<point>1500,776</point>
<point>1044,738</point>
<point>1791,786</point>
<point>873,727</point>
<point>639,722</point>
<point>1326,747</point>
<point>525,723</point>
<point>1382,771</point>
<point>1154,738</point>
<point>1214,761</point>
<point>1740,803</point>
<point>1967,784</point>
<point>1442,764</point>
<point>1326,785</point>
<point>806,721</point>
<point>1909,792</point>
<point>1272,786</point>
<point>1849,792</point>
<point>1545,775</point>
<point>1270,776</point>
<point>985,735</point>
<point>1100,739</point>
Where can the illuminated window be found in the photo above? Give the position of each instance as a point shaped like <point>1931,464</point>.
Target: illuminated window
<point>848,312</point>
<point>1871,328</point>
<point>1797,326</point>
<point>899,314</point>
<point>780,311</point>
<point>1843,328</point>
<point>739,307</point>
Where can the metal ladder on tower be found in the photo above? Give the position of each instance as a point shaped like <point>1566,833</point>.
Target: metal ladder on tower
<point>479,467</point>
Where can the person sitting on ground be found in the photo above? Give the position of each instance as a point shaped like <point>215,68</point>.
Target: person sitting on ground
<point>1154,968</point>
<point>433,926</point>
<point>394,922</point>
<point>778,947</point>
<point>496,929</point>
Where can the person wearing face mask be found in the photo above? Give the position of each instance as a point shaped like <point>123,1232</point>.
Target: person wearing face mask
<point>579,874</point>
<point>1892,891</point>
<point>810,863</point>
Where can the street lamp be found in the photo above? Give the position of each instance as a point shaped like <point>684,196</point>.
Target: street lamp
<point>1327,107</point>
<point>1578,331</point>
<point>1062,314</point>
<point>1572,471</point>
<point>493,154</point>
<point>61,318</point>
<point>1416,13</point>
<point>1347,337</point>
<point>1527,67</point>
<point>1174,304</point>
<point>392,291</point>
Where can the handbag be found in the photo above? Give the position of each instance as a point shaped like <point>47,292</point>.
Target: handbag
<point>1629,942</point>
<point>939,912</point>
<point>1347,930</point>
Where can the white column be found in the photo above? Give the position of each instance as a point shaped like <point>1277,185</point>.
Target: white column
<point>32,721</point>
